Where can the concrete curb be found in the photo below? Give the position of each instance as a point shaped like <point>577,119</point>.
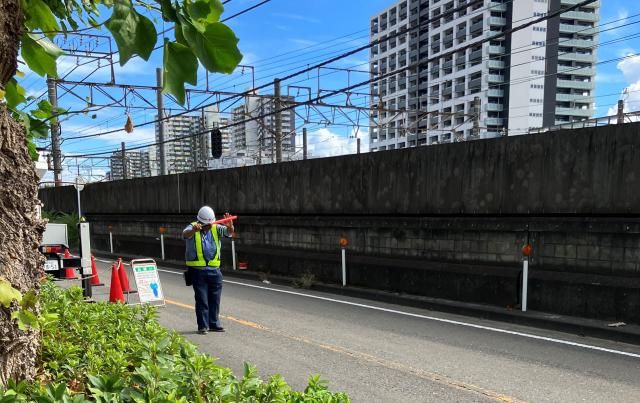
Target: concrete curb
<point>573,325</point>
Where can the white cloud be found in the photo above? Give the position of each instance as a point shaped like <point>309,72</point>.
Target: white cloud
<point>631,97</point>
<point>325,143</point>
<point>630,68</point>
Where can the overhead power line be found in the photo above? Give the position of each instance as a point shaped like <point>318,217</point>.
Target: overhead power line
<point>417,64</point>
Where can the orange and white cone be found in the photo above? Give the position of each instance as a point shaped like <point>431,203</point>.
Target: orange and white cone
<point>115,292</point>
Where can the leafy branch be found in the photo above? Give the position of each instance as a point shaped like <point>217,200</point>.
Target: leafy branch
<point>200,38</point>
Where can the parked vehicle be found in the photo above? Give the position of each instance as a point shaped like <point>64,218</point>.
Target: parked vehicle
<point>54,246</point>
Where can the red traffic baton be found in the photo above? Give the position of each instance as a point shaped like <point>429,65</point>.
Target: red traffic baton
<point>224,220</point>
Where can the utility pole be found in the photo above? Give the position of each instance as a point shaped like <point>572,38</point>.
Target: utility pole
<point>620,112</point>
<point>198,144</point>
<point>304,143</point>
<point>476,117</point>
<point>124,161</point>
<point>163,160</point>
<point>276,86</point>
<point>358,145</point>
<point>55,134</point>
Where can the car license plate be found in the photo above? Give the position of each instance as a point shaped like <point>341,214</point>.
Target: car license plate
<point>51,265</point>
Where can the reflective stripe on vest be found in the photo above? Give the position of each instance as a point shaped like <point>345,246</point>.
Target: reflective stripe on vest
<point>200,262</point>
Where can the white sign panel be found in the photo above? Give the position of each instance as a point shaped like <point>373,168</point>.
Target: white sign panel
<point>145,273</point>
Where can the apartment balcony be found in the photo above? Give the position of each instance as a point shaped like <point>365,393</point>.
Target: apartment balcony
<point>475,28</point>
<point>577,43</point>
<point>475,84</point>
<point>447,91</point>
<point>496,50</point>
<point>494,107</point>
<point>572,29</point>
<point>582,85</point>
<point>580,71</point>
<point>460,88</point>
<point>495,6</point>
<point>495,78</point>
<point>577,57</point>
<point>493,92</point>
<point>492,33</point>
<point>494,122</point>
<point>574,2</point>
<point>495,64</point>
<point>475,56</point>
<point>497,20</point>
<point>574,98</point>
<point>461,35</point>
<point>583,113</point>
<point>581,16</point>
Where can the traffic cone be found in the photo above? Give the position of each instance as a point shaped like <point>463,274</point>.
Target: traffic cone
<point>95,279</point>
<point>124,280</point>
<point>115,292</point>
<point>68,271</point>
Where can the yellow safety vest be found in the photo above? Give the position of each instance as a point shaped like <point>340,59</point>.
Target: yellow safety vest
<point>200,262</point>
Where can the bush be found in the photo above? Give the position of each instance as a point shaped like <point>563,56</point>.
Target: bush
<point>114,352</point>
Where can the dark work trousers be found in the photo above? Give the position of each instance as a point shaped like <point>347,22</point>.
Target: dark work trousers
<point>207,287</point>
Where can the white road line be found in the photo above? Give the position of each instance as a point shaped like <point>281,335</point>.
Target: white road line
<point>449,321</point>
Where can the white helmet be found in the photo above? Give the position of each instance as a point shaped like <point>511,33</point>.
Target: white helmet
<point>206,215</point>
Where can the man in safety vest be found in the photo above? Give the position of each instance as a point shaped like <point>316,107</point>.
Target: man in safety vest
<point>202,254</point>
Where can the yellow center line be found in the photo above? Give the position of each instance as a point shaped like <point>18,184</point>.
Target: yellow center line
<point>427,375</point>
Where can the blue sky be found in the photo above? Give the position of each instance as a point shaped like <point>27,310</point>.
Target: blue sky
<point>305,32</point>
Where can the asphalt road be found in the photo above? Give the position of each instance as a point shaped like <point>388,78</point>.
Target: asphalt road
<point>385,353</point>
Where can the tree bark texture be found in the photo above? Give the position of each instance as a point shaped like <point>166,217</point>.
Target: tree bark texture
<point>20,227</point>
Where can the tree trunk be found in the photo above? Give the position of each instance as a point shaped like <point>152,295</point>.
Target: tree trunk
<point>20,227</point>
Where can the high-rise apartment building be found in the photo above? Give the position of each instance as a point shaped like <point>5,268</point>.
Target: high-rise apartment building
<point>539,76</point>
<point>188,141</point>
<point>256,138</point>
<point>137,165</point>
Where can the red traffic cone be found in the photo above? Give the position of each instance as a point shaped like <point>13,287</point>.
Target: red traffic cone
<point>115,292</point>
<point>124,280</point>
<point>68,271</point>
<point>95,279</point>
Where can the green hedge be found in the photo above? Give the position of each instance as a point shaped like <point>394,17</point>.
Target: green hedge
<point>114,352</point>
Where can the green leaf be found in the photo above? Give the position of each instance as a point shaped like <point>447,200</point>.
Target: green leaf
<point>33,151</point>
<point>38,128</point>
<point>39,16</point>
<point>25,319</point>
<point>134,33</point>
<point>44,111</point>
<point>204,12</point>
<point>14,94</point>
<point>216,47</point>
<point>29,300</point>
<point>40,54</point>
<point>168,11</point>
<point>180,66</point>
<point>8,293</point>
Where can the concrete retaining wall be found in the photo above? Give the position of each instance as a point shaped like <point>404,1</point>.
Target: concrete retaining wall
<point>444,221</point>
